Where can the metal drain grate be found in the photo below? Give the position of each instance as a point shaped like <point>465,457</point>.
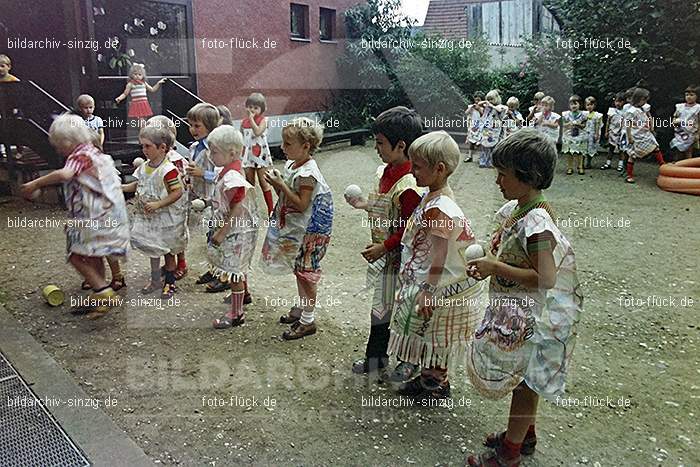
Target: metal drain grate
<point>29,435</point>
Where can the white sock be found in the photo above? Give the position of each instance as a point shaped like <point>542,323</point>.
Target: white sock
<point>307,315</point>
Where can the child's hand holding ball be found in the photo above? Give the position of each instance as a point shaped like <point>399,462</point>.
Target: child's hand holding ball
<point>30,191</point>
<point>353,196</point>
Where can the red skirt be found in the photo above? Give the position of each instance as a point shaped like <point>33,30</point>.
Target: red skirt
<point>140,108</point>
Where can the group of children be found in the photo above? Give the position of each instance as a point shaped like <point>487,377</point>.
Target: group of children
<point>629,129</point>
<point>427,299</point>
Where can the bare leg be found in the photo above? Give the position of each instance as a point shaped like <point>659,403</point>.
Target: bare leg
<point>523,412</point>
<point>89,268</point>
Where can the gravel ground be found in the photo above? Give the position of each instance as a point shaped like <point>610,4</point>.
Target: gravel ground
<point>194,396</point>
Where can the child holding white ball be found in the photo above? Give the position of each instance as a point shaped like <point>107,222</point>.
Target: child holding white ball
<point>437,304</point>
<point>159,226</point>
<point>526,338</point>
<point>99,226</point>
<point>234,226</point>
<point>390,204</point>
<point>301,223</point>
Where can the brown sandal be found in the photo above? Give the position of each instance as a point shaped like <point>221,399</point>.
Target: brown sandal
<point>117,283</point>
<point>85,286</point>
<point>292,317</point>
<point>298,330</point>
<point>494,440</point>
<point>492,459</point>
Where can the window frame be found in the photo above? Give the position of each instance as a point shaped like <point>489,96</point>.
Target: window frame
<point>294,10</point>
<point>331,18</point>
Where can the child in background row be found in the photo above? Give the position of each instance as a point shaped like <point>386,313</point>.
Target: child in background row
<point>513,119</point>
<point>389,206</point>
<point>573,139</point>
<point>686,120</point>
<point>474,129</point>
<point>613,132</point>
<point>234,227</point>
<point>546,120</point>
<point>436,307</point>
<point>640,139</point>
<point>492,114</point>
<point>256,156</point>
<point>526,339</point>
<point>5,67</point>
<point>86,106</point>
<point>99,224</point>
<point>159,224</point>
<point>301,223</point>
<point>536,106</point>
<point>594,125</point>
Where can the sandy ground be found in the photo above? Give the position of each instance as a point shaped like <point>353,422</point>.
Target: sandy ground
<point>185,392</point>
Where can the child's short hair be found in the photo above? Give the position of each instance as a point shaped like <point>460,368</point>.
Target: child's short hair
<point>163,122</point>
<point>478,96</point>
<point>435,147</point>
<point>5,59</point>
<point>539,95</point>
<point>84,98</point>
<point>399,124</point>
<point>514,101</point>
<point>304,130</point>
<point>620,96</point>
<point>226,138</point>
<point>257,100</point>
<point>548,100</point>
<point>629,93</point>
<point>639,95</point>
<point>591,100</point>
<point>575,98</point>
<point>225,114</point>
<point>693,89</point>
<point>206,114</point>
<point>530,155</point>
<point>70,129</point>
<point>494,97</point>
<point>137,68</point>
<point>157,134</point>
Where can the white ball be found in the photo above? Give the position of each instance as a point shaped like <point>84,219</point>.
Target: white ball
<point>474,251</point>
<point>138,161</point>
<point>198,205</point>
<point>36,193</point>
<point>353,191</point>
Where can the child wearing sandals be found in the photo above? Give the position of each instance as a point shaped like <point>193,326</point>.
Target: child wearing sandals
<point>389,207</point>
<point>180,164</point>
<point>474,129</point>
<point>594,126</point>
<point>99,224</point>
<point>686,120</point>
<point>641,142</point>
<point>546,120</point>
<point>492,115</point>
<point>525,341</point>
<point>573,141</point>
<point>234,226</point>
<point>257,158</point>
<point>613,133</point>
<point>159,225</point>
<point>436,307</point>
<point>301,223</point>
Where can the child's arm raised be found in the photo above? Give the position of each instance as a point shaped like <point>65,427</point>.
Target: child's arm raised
<point>542,275</point>
<point>157,86</point>
<point>258,129</point>
<point>53,178</point>
<point>299,201</point>
<point>123,95</point>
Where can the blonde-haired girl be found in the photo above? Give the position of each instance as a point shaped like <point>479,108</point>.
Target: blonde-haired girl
<point>301,223</point>
<point>137,88</point>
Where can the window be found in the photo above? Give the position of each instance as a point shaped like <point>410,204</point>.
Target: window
<point>299,21</point>
<point>475,24</point>
<point>327,23</point>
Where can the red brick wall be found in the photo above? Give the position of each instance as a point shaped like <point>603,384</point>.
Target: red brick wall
<point>294,76</point>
